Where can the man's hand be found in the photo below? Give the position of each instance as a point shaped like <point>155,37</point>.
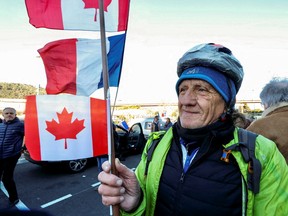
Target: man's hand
<point>123,189</point>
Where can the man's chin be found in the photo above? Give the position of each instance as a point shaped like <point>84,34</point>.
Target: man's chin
<point>191,123</point>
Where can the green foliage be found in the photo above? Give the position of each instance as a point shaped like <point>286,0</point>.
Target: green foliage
<point>246,108</point>
<point>18,90</point>
<point>174,114</point>
<point>128,107</point>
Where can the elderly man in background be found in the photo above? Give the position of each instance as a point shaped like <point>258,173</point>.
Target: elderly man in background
<point>274,121</point>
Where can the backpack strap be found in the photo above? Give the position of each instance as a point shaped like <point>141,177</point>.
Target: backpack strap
<point>151,149</point>
<point>246,146</point>
<point>254,165</point>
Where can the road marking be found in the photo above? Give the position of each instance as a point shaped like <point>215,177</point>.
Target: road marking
<point>56,201</point>
<point>64,197</point>
<point>96,184</point>
<point>20,205</point>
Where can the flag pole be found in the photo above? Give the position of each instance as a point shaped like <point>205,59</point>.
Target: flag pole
<point>111,151</point>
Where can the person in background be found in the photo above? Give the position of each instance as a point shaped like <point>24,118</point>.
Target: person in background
<point>186,175</point>
<point>11,144</point>
<point>155,124</point>
<point>168,124</point>
<point>273,123</point>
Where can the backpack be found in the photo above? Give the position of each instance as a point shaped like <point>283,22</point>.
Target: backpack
<point>246,146</point>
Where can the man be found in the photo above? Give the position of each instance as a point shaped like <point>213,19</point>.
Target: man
<point>186,175</point>
<point>155,124</point>
<point>274,121</point>
<point>11,142</point>
<point>168,124</point>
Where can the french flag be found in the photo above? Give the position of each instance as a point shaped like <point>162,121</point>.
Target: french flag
<point>65,127</point>
<point>74,66</point>
<point>78,14</point>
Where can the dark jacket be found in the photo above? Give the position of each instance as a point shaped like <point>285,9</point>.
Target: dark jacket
<point>187,194</point>
<point>11,138</point>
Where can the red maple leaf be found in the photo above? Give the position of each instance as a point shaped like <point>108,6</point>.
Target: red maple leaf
<point>95,4</point>
<point>65,129</point>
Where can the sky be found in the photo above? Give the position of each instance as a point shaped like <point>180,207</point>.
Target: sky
<point>158,34</point>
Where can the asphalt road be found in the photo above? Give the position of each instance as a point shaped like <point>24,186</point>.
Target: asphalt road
<point>57,192</point>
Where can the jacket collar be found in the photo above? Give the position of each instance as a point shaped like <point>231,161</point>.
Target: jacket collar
<point>271,109</point>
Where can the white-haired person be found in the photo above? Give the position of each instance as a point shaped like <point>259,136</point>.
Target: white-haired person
<point>274,121</point>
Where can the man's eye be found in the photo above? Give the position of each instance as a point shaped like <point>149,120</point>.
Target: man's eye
<point>181,89</point>
<point>202,89</point>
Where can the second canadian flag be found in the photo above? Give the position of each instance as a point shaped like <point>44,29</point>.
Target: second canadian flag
<point>65,127</point>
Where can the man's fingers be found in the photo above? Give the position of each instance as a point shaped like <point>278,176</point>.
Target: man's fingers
<point>107,190</point>
<point>107,200</point>
<point>109,179</point>
<point>106,166</point>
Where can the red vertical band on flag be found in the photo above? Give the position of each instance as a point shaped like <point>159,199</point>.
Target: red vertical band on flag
<point>99,126</point>
<point>45,13</point>
<point>32,139</point>
<point>60,61</point>
<point>123,15</point>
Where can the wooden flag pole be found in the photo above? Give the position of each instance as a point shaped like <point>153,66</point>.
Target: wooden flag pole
<point>111,150</point>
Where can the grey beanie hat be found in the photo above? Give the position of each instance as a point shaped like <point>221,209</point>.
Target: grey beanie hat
<point>213,56</point>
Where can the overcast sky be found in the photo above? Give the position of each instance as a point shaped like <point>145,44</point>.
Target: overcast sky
<point>159,32</point>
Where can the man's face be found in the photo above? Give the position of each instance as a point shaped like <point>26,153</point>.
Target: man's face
<point>9,114</point>
<point>199,104</point>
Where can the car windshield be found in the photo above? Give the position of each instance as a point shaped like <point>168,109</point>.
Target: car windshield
<point>135,129</point>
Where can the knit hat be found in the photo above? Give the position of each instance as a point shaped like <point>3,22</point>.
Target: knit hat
<point>221,83</point>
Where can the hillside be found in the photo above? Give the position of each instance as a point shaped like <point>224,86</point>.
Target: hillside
<point>18,90</point>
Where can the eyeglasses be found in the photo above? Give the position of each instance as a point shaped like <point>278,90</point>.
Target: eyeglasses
<point>11,113</point>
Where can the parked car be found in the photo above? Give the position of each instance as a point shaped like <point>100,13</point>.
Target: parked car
<point>130,142</point>
<point>146,124</point>
<point>72,166</point>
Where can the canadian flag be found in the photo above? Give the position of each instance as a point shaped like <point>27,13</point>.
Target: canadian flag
<point>65,127</point>
<point>78,14</point>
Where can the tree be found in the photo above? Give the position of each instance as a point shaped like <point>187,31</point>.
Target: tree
<point>18,90</point>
